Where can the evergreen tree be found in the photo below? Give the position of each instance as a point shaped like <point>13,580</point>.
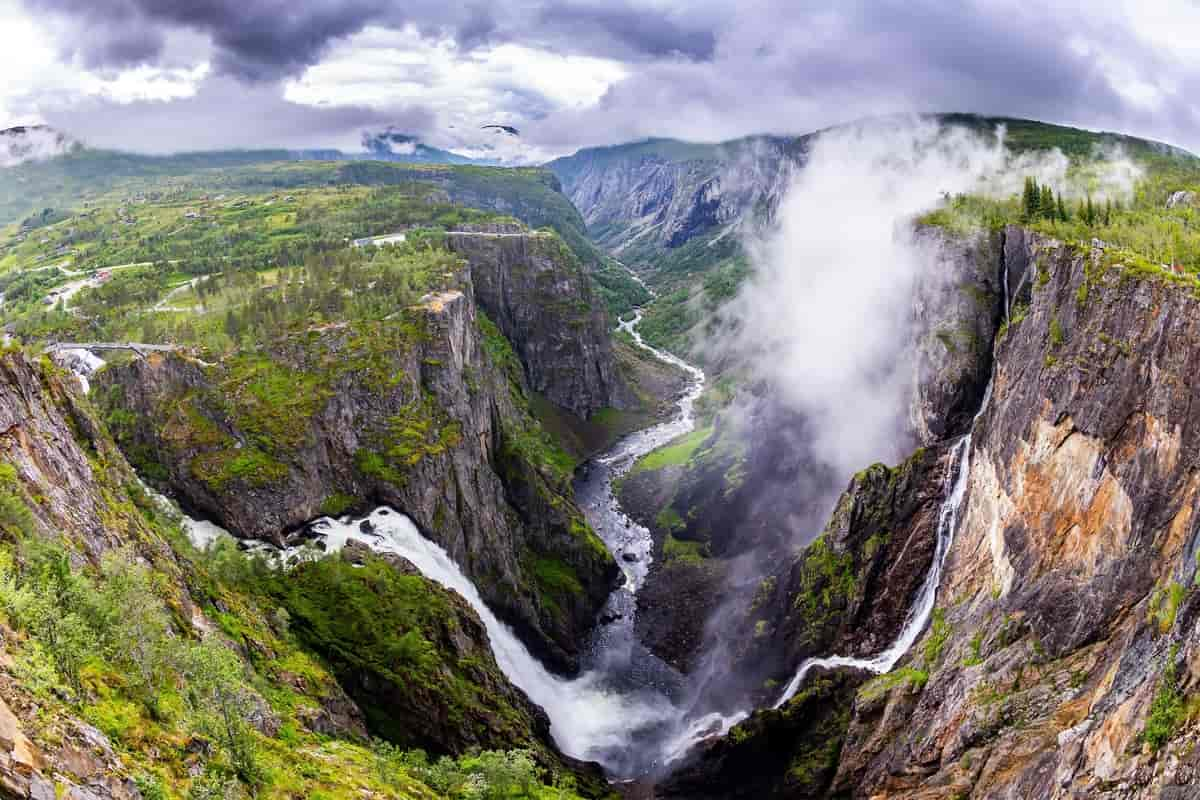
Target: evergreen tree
<point>1062,210</point>
<point>1046,208</point>
<point>1031,199</point>
<point>1089,213</point>
<point>1108,212</point>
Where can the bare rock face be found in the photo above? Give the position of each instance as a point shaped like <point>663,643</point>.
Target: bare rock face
<point>661,194</point>
<point>1066,638</point>
<point>958,303</point>
<point>1068,593</point>
<point>849,592</point>
<point>412,412</point>
<point>534,289</point>
<point>46,433</point>
<point>791,753</point>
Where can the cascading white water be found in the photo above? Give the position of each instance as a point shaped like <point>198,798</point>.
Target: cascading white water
<point>83,363</point>
<point>920,612</point>
<point>586,718</point>
<point>594,716</point>
<point>717,724</point>
<point>922,609</point>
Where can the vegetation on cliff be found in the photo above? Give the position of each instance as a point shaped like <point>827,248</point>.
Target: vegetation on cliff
<point>133,660</point>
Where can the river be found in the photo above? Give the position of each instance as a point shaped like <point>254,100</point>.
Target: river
<point>624,709</point>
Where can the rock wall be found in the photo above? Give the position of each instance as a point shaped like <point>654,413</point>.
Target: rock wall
<point>63,478</point>
<point>537,293</point>
<point>1069,592</point>
<point>660,194</point>
<point>756,488</point>
<point>957,305</point>
<point>411,412</point>
<point>1065,646</point>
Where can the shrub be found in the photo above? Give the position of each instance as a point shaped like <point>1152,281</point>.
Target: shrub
<point>1167,708</point>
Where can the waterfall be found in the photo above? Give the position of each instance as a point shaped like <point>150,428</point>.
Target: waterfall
<point>920,612</point>
<point>619,711</point>
<point>587,719</point>
<point>1004,261</point>
<point>81,362</point>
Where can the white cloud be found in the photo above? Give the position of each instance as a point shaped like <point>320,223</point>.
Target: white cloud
<point>508,83</point>
<point>35,80</point>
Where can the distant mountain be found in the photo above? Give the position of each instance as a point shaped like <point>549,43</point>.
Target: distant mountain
<point>393,145</point>
<point>655,194</point>
<point>32,143</point>
<point>648,197</point>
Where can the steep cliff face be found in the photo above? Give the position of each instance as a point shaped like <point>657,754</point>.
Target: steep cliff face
<point>754,484</point>
<point>65,484</point>
<point>1062,656</point>
<point>412,412</point>
<point>1069,595</point>
<point>659,194</point>
<point>958,303</point>
<point>537,293</point>
<point>452,704</point>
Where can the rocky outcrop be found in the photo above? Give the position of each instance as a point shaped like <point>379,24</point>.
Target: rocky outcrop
<point>52,447</point>
<point>849,592</point>
<point>535,290</point>
<point>411,412</point>
<point>463,702</point>
<point>62,477</point>
<point>757,489</point>
<point>791,753</point>
<point>1068,595</point>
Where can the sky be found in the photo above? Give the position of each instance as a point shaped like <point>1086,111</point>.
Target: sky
<point>173,75</point>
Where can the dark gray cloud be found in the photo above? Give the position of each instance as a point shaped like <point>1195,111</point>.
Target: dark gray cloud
<point>262,40</point>
<point>224,114</point>
<point>792,67</point>
<point>655,35</point>
<point>701,69</point>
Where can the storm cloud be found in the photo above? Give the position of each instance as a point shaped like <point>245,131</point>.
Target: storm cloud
<point>225,114</point>
<point>261,40</point>
<point>584,72</point>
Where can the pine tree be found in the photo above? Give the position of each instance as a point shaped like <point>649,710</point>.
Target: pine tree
<point>1108,212</point>
<point>1062,210</point>
<point>1089,214</point>
<point>1031,199</point>
<point>1046,203</point>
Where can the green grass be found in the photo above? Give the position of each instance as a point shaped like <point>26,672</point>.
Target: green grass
<point>556,579</point>
<point>901,676</point>
<point>1167,709</point>
<point>677,453</point>
<point>681,551</point>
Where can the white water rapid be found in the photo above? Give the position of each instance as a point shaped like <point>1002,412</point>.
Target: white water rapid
<point>83,363</point>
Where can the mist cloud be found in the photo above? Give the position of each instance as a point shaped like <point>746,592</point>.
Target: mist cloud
<point>826,318</point>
